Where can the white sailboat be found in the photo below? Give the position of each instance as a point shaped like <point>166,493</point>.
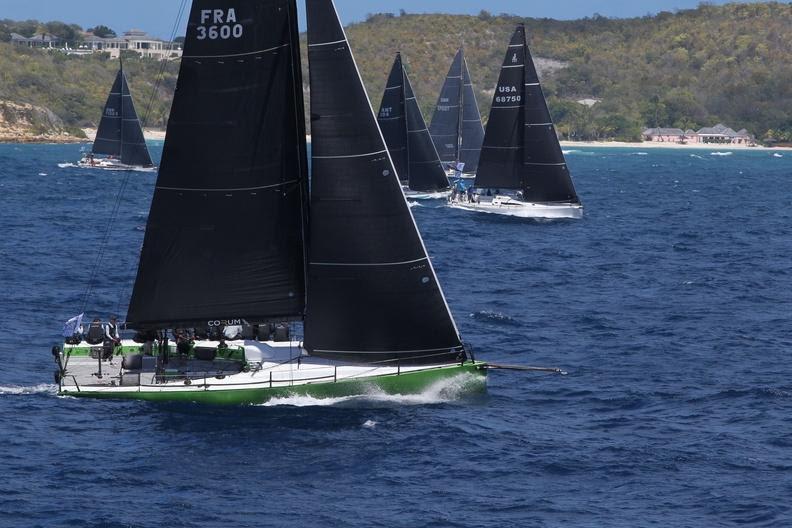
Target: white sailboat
<point>522,171</point>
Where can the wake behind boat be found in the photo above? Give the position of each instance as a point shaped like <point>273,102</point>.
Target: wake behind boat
<point>410,146</point>
<point>228,240</point>
<point>522,171</point>
<point>119,144</point>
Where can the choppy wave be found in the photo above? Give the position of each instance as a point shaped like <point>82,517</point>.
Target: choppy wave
<point>495,317</point>
<point>721,153</point>
<point>777,155</point>
<point>41,388</point>
<point>443,391</point>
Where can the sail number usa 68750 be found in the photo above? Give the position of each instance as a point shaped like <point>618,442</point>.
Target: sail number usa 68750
<point>219,24</point>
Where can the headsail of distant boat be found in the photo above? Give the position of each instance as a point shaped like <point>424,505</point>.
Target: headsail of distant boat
<point>456,124</point>
<point>407,136</point>
<point>120,134</point>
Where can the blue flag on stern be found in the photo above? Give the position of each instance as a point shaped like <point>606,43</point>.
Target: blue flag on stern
<point>72,326</point>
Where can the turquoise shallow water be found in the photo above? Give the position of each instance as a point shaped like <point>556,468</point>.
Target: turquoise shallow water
<point>668,304</point>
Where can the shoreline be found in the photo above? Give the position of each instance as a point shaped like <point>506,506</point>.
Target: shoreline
<point>657,144</point>
<point>152,134</point>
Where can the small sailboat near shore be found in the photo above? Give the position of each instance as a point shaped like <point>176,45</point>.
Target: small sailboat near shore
<point>522,171</point>
<point>456,127</point>
<point>237,240</point>
<point>411,147</point>
<point>119,144</point>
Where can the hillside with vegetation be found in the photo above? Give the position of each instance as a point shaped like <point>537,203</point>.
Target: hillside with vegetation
<point>686,69</point>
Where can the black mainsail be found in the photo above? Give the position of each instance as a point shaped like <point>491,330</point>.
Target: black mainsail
<point>456,124</point>
<point>119,133</point>
<point>225,234</point>
<point>404,129</point>
<point>373,293</point>
<point>521,148</point>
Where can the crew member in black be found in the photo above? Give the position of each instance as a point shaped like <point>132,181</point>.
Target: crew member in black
<point>112,339</point>
<point>95,334</point>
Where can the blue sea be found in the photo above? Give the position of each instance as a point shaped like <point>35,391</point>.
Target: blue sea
<point>669,305</point>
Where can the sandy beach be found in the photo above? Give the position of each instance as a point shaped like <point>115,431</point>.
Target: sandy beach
<point>151,134</point>
<point>653,145</point>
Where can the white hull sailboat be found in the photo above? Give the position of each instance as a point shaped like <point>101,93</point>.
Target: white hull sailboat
<point>230,239</point>
<point>522,171</point>
<point>509,206</point>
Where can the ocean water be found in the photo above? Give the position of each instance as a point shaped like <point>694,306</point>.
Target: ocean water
<point>669,305</point>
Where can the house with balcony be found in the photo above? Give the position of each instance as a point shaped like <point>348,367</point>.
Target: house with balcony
<point>39,40</point>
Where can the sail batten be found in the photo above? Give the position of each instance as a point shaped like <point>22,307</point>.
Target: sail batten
<point>225,235</point>
<point>359,216</point>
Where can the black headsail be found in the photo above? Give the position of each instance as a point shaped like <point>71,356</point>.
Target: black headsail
<point>471,130</point>
<point>521,149</point>
<point>119,133</point>
<point>456,124</point>
<point>404,129</point>
<point>373,294</point>
<point>446,124</point>
<point>225,235</point>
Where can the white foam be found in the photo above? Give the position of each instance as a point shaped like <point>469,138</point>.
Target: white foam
<point>777,155</point>
<point>41,388</point>
<point>721,153</point>
<point>442,391</point>
<point>66,165</point>
<point>42,173</point>
<point>369,424</point>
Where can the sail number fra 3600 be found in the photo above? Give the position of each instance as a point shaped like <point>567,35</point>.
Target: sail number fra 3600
<point>219,24</point>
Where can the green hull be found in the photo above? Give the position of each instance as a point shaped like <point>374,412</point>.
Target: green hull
<point>405,383</point>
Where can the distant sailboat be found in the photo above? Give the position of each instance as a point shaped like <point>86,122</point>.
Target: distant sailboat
<point>119,143</point>
<point>411,147</point>
<point>456,124</point>
<point>522,171</point>
<point>231,239</point>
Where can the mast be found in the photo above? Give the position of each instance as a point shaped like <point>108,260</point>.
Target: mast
<point>373,294</point>
<point>226,233</point>
<point>460,107</point>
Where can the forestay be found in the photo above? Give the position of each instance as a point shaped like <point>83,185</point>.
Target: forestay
<point>225,234</point>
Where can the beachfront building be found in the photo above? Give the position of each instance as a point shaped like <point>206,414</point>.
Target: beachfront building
<point>719,134</point>
<point>133,40</point>
<point>665,135</point>
<point>39,40</point>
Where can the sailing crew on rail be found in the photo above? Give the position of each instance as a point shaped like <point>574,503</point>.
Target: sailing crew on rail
<point>111,332</point>
<point>95,334</point>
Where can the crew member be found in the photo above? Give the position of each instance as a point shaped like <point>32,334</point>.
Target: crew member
<point>95,334</point>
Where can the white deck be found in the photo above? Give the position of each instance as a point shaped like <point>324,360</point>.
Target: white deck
<point>508,206</point>
<point>272,364</point>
